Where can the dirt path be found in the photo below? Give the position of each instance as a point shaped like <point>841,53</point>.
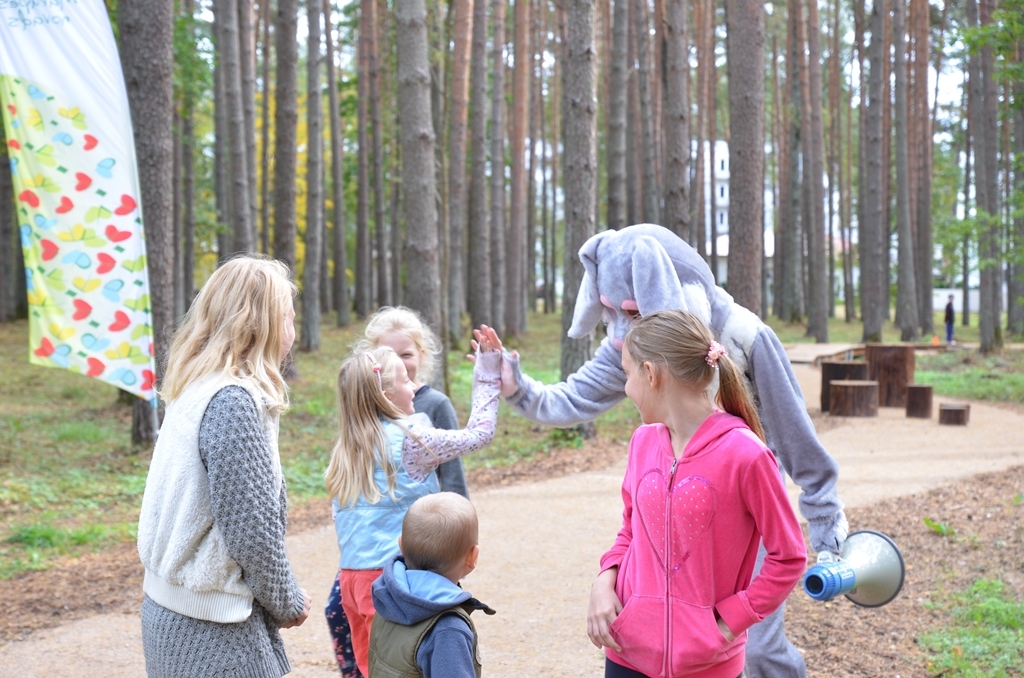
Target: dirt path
<point>541,542</point>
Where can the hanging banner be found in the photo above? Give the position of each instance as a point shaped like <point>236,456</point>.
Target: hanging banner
<point>76,191</point>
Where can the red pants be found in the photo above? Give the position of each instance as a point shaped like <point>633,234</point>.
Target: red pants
<point>357,601</point>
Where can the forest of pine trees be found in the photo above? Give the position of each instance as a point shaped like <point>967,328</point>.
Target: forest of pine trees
<point>452,157</point>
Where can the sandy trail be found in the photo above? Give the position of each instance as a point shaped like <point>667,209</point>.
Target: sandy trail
<point>541,543</point>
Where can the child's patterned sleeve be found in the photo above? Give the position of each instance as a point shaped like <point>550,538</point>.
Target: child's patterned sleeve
<point>420,457</point>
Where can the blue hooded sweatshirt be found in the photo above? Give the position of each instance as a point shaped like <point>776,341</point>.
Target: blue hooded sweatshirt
<point>408,597</point>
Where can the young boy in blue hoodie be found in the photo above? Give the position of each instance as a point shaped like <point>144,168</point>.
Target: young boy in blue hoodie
<point>422,626</point>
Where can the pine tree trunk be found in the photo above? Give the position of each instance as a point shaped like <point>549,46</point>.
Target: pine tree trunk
<point>265,131</point>
<point>221,162</point>
<point>616,141</point>
<point>309,337</point>
<point>920,11</point>
<point>643,75</point>
<point>147,60</point>
<point>364,264</point>
<point>676,119</point>
<point>906,290</point>
<point>791,303</point>
<point>986,188</point>
<point>1015,301</point>
<point>230,62</point>
<point>286,117</point>
<point>745,48</point>
<point>697,190</point>
<point>580,105</point>
<point>373,52</point>
<point>340,246</point>
<point>178,218</point>
<point>478,227</point>
<point>515,244</point>
<point>557,40</point>
<point>247,62</point>
<point>461,35</point>
<point>818,290</point>
<point>498,278</point>
<point>418,174</point>
<point>871,246</point>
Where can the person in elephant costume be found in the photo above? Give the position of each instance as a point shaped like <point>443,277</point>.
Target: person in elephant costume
<point>645,268</point>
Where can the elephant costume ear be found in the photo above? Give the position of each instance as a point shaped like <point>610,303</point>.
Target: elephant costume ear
<point>589,310</point>
<point>655,281</point>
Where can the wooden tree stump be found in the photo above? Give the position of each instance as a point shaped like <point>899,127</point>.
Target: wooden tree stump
<point>892,366</point>
<point>953,414</point>
<point>835,370</point>
<point>853,398</point>
<point>919,401</point>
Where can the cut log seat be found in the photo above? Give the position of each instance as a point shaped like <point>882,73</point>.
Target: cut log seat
<point>954,414</point>
<point>854,398</point>
<point>834,370</point>
<point>892,366</point>
<point>919,401</point>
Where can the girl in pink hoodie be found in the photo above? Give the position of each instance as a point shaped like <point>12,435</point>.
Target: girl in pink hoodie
<point>701,490</point>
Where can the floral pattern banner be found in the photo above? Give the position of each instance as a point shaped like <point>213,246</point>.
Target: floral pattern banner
<point>76,191</point>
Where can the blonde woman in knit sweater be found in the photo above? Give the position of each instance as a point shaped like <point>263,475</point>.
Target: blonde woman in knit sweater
<point>218,584</point>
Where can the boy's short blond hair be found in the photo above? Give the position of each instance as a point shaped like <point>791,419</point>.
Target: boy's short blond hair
<point>438,531</point>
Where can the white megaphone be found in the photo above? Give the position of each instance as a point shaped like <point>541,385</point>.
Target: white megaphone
<point>869,571</point>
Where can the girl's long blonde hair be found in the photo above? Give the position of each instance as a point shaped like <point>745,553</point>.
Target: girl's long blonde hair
<point>362,441</point>
<point>408,322</point>
<point>234,327</point>
<point>679,342</point>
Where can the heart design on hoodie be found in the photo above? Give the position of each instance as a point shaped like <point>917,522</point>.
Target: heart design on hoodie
<point>692,503</point>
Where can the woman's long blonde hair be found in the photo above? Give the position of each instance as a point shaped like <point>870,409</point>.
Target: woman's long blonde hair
<point>362,441</point>
<point>234,327</point>
<point>679,342</point>
<point>408,322</point>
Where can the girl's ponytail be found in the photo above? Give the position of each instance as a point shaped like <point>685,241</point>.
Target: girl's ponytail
<point>734,398</point>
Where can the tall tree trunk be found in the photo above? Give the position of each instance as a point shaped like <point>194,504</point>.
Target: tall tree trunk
<point>265,132</point>
<point>478,227</point>
<point>616,141</point>
<point>698,193</point>
<point>364,263</point>
<point>580,124</point>
<point>634,173</point>
<point>515,246</point>
<point>499,280</point>
<point>791,303</point>
<point>247,69</point>
<point>178,219</point>
<point>309,338</point>
<point>921,10</point>
<point>986,186</point>
<point>676,118</point>
<point>557,41</point>
<point>745,45</point>
<point>221,163</point>
<point>380,228</point>
<point>1015,301</point>
<point>906,290</point>
<point>779,127</point>
<point>147,60</point>
<point>871,245</point>
<point>643,75</point>
<point>230,62</point>
<point>463,29</point>
<point>862,118</point>
<point>965,270</point>
<point>286,118</point>
<point>712,134</point>
<point>340,249</point>
<point>818,290</point>
<point>418,174</point>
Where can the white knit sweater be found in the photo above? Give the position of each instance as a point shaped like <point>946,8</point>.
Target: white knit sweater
<point>188,567</point>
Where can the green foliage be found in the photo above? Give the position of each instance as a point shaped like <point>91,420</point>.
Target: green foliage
<point>941,529</point>
<point>984,638</point>
<point>998,377</point>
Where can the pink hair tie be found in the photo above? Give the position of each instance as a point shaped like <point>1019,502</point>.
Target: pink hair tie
<point>376,369</point>
<point>715,351</point>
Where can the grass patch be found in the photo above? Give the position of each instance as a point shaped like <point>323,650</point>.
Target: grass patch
<point>998,377</point>
<point>985,636</point>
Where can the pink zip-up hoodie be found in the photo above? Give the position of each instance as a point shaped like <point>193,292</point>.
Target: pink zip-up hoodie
<point>688,544</point>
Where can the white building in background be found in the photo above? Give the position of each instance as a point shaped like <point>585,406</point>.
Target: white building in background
<point>715,186</point>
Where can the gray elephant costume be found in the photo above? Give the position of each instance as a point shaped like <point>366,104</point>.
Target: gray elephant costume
<point>647,268</point>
